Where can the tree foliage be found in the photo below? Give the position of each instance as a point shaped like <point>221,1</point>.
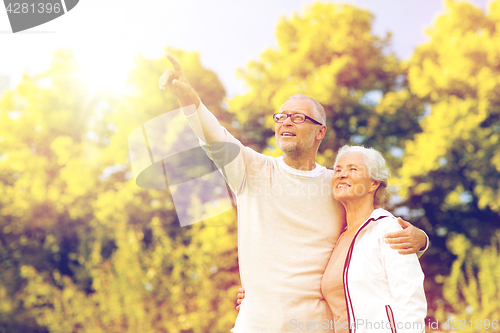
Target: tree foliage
<point>84,249</point>
<point>473,288</point>
<point>450,175</point>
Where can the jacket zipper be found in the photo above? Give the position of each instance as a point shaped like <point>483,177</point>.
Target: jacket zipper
<point>390,316</point>
<point>348,302</point>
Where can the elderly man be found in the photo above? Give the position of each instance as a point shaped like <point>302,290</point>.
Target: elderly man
<point>288,221</point>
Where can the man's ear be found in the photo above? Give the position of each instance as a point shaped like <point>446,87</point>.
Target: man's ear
<point>321,133</point>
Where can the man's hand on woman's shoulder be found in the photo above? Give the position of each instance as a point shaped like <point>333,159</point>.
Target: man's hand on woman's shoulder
<point>241,296</point>
<point>407,241</point>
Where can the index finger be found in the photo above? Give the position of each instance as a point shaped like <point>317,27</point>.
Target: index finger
<point>175,62</point>
<point>395,234</point>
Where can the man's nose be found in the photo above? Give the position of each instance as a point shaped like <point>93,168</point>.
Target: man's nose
<point>288,121</point>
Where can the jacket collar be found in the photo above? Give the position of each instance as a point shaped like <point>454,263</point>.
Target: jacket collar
<point>378,213</point>
<point>375,215</point>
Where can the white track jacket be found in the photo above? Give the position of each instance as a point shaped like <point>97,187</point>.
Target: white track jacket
<point>383,289</point>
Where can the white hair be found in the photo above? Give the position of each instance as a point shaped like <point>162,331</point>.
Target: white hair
<point>377,170</point>
<point>318,108</point>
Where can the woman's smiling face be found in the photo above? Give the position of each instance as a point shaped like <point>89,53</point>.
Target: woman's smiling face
<point>352,179</point>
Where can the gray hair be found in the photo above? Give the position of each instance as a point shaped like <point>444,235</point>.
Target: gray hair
<point>377,170</point>
<point>318,108</point>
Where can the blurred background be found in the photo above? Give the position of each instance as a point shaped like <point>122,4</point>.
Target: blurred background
<point>84,249</point>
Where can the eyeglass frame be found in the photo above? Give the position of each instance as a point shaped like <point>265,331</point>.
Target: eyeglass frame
<point>293,114</point>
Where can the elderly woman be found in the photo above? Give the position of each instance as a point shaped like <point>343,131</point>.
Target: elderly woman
<point>368,286</point>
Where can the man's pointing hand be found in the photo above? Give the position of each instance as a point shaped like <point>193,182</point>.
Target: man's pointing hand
<point>176,81</point>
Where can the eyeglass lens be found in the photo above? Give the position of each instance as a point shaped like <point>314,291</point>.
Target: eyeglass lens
<point>296,117</point>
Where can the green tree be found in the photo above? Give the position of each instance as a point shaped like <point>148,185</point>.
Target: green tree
<point>473,287</point>
<point>162,286</point>
<point>44,200</point>
<point>83,248</point>
<point>451,169</point>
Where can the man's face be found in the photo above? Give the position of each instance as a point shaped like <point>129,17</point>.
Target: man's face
<point>296,139</point>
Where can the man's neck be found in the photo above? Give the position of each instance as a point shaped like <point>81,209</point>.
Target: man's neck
<point>305,164</point>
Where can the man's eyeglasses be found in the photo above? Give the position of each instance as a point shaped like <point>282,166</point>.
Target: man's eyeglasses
<point>297,118</point>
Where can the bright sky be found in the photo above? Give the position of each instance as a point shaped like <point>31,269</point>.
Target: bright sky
<point>106,36</point>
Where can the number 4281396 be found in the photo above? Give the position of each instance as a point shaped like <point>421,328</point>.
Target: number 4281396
<point>455,324</point>
<point>24,8</point>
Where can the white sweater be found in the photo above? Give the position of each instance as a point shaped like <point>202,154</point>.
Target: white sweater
<point>288,223</point>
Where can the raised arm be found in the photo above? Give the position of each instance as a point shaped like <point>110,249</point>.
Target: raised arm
<point>227,152</point>
<point>201,120</point>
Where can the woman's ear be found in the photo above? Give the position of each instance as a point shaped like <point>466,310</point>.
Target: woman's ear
<point>375,186</point>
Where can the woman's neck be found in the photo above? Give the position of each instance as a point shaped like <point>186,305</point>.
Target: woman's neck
<point>357,212</point>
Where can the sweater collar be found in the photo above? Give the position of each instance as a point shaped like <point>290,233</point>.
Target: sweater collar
<point>316,172</point>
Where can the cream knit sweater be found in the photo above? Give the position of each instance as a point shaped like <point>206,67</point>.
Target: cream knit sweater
<point>288,223</point>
